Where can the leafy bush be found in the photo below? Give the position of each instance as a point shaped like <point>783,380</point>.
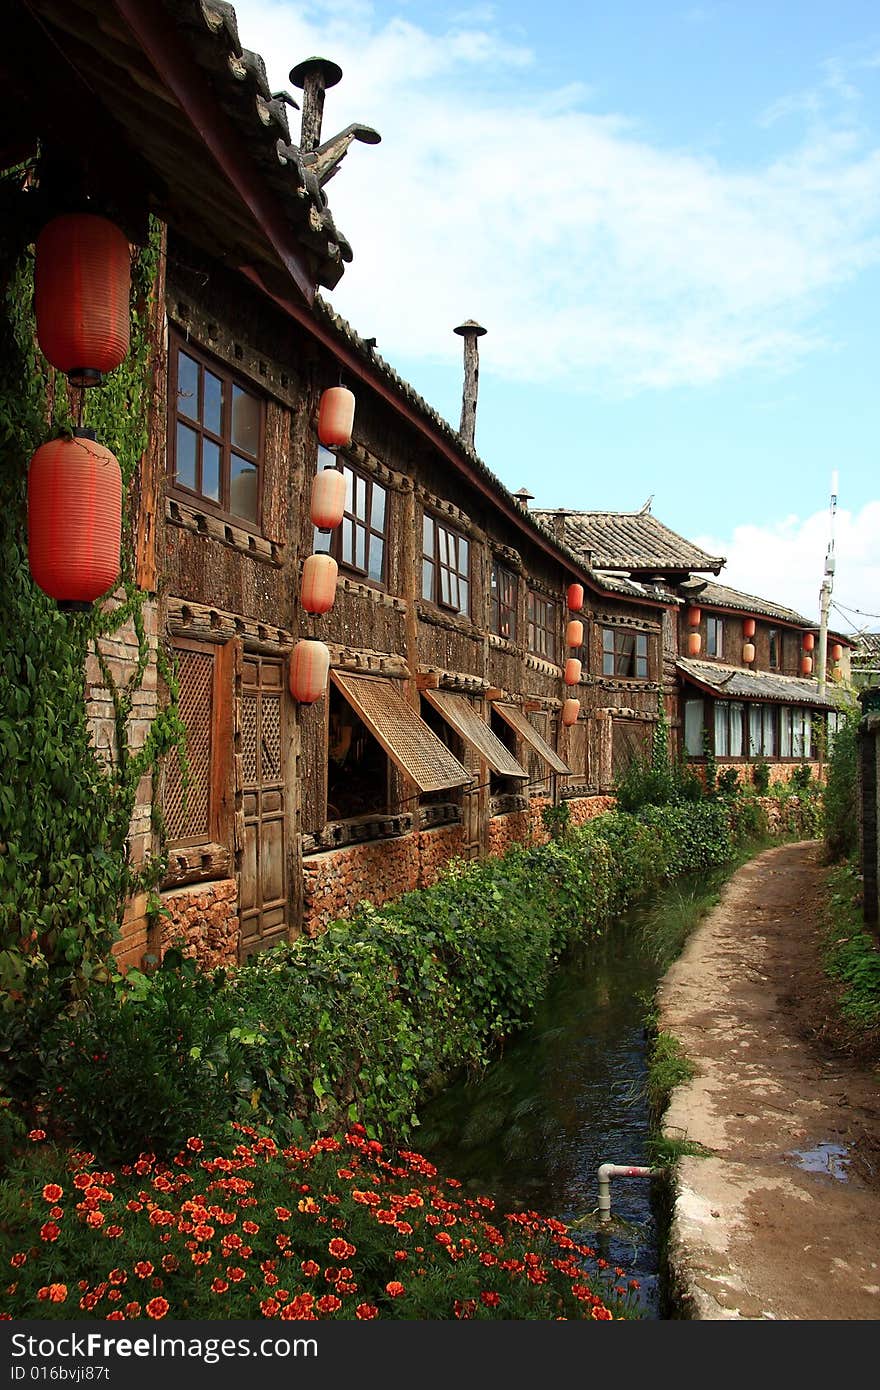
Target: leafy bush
<point>727,783</point>
<point>801,777</point>
<point>761,778</point>
<point>841,809</point>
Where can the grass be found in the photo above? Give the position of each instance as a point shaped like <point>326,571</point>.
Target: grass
<point>668,1067</point>
<point>663,1150</point>
<point>851,953</point>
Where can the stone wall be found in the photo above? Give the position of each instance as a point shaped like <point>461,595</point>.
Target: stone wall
<point>336,880</point>
<point>586,808</point>
<point>203,921</point>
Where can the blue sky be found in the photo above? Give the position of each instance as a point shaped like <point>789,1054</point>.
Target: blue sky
<point>668,219</point>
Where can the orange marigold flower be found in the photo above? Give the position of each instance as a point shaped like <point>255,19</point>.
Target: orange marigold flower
<point>88,1301</point>
<point>95,1218</point>
<point>365,1311</point>
<point>56,1213</point>
<point>601,1313</point>
<point>57,1293</point>
<point>236,1274</point>
<point>310,1268</point>
<point>132,1310</point>
<point>18,1259</point>
<point>117,1276</point>
<point>113,1232</point>
<point>219,1286</point>
<point>36,1135</point>
<point>341,1249</point>
<point>490,1298</point>
<point>143,1269</point>
<point>401,1255</point>
<point>49,1231</point>
<point>329,1303</point>
<point>115,1316</point>
<point>157,1308</point>
<point>200,1257</point>
<point>194,1144</point>
<point>282,1213</point>
<point>52,1192</point>
<point>170,1263</point>
<point>269,1307</point>
<point>403,1227</point>
<point>394,1289</point>
<point>250,1228</point>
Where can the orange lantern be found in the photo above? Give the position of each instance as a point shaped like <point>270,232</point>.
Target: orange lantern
<point>694,644</point>
<point>336,417</point>
<point>748,653</point>
<point>572,671</point>
<point>575,597</point>
<point>694,615</point>
<point>309,665</point>
<point>574,633</point>
<point>570,712</point>
<point>328,499</point>
<point>318,589</point>
<point>809,641</point>
<point>806,665</point>
<point>836,653</point>
<point>82,281</point>
<point>74,519</point>
<point>748,627</point>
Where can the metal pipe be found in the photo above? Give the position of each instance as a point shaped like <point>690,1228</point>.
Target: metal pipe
<point>607,1171</point>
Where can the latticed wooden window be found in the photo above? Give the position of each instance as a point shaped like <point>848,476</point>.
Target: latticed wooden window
<point>188,817</point>
<point>445,566</point>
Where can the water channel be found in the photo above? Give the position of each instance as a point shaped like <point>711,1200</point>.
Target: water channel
<point>567,1095</point>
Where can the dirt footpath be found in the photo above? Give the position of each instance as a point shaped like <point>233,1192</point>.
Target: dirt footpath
<point>783,1220</point>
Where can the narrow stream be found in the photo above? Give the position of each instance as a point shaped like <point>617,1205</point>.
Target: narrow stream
<point>567,1095</point>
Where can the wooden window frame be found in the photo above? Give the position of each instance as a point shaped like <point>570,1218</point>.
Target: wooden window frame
<point>543,628</point>
<point>613,654</point>
<point>504,599</point>
<point>715,637</point>
<point>442,566</point>
<point>223,440</point>
<point>331,542</point>
<point>774,647</point>
<point>219,758</point>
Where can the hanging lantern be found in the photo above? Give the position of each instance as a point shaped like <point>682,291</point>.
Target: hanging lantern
<point>82,281</point>
<point>748,653</point>
<point>309,665</point>
<point>328,499</point>
<point>570,712</point>
<point>572,671</point>
<point>694,644</point>
<point>809,641</point>
<point>74,519</point>
<point>575,597</point>
<point>574,633</point>
<point>836,653</point>
<point>318,589</point>
<point>336,417</point>
<point>748,627</point>
<point>694,616</point>
<point>806,665</point>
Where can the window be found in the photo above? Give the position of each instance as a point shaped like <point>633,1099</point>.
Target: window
<point>693,728</point>
<point>774,645</point>
<point>762,731</point>
<point>196,814</point>
<point>543,626</point>
<point>215,435</point>
<point>503,594</point>
<point>445,566</point>
<point>729,717</point>
<point>624,653</point>
<point>714,636</point>
<point>358,543</point>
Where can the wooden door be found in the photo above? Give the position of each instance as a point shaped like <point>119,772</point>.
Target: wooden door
<point>262,888</point>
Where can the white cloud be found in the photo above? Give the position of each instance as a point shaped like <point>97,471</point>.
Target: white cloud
<point>593,256</point>
<point>785,561</point>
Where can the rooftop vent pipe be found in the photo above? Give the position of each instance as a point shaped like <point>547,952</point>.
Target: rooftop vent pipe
<point>470,331</point>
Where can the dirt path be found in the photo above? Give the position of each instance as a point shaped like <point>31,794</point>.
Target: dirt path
<point>756,1233</point>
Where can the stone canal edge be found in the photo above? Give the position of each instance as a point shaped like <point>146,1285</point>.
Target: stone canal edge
<point>782,1219</point>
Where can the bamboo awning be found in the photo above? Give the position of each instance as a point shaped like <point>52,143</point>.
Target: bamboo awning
<point>409,742</point>
<point>460,714</point>
<point>518,720</point>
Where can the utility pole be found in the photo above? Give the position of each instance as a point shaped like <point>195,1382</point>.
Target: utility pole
<point>825,593</point>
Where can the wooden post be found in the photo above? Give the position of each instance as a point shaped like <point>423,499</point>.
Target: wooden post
<point>314,76</point>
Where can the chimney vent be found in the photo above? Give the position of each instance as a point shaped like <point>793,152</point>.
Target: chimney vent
<point>524,497</point>
<point>470,330</point>
<point>314,75</point>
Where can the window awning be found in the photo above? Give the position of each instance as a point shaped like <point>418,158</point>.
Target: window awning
<point>460,714</point>
<point>517,720</point>
<point>406,738</point>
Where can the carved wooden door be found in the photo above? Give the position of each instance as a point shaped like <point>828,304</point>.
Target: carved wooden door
<point>262,889</point>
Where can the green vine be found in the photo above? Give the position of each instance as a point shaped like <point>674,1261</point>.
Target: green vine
<point>65,811</point>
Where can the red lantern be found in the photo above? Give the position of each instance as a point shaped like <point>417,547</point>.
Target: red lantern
<point>748,653</point>
<point>694,616</point>
<point>806,665</point>
<point>82,281</point>
<point>318,589</point>
<point>574,633</point>
<point>570,711</point>
<point>309,665</point>
<point>336,417</point>
<point>572,671</point>
<point>748,627</point>
<point>694,644</point>
<point>809,641</point>
<point>74,519</point>
<point>328,499</point>
<point>575,597</point>
<point>836,652</point>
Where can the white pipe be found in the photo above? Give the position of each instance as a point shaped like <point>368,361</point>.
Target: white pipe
<point>607,1171</point>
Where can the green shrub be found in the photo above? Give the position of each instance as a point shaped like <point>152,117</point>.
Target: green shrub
<point>761,778</point>
<point>841,819</point>
<point>727,783</point>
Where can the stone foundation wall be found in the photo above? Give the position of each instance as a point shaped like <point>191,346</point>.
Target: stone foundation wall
<point>586,808</point>
<point>203,922</point>
<point>336,880</point>
<point>779,772</point>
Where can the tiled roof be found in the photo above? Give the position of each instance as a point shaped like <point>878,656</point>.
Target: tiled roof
<point>630,541</point>
<point>867,649</point>
<point>735,683</point>
<point>720,596</point>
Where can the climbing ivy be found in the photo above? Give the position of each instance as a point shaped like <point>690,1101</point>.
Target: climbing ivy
<point>65,811</point>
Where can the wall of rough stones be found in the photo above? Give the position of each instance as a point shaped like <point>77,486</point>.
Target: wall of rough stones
<point>203,921</point>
